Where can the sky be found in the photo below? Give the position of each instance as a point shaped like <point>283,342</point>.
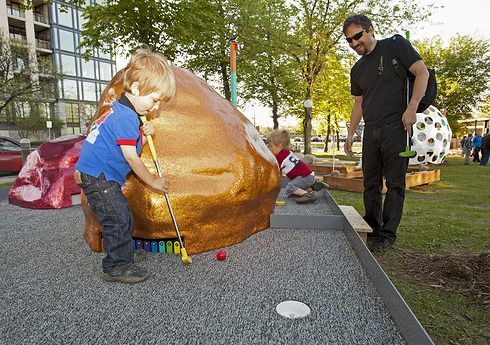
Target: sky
<point>467,17</point>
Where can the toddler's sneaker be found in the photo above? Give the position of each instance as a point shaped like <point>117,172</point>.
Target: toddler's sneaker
<point>127,275</point>
<point>306,198</point>
<point>319,185</point>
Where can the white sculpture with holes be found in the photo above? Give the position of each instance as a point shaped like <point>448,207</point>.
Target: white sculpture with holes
<point>431,137</point>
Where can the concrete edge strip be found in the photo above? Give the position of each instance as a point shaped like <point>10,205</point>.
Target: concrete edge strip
<point>411,329</point>
<point>293,221</point>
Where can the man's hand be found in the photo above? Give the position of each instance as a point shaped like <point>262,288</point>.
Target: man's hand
<point>148,128</point>
<point>409,118</point>
<point>159,184</point>
<point>348,145</point>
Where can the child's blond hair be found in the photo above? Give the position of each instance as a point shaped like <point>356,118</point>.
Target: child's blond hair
<point>279,137</point>
<point>153,72</point>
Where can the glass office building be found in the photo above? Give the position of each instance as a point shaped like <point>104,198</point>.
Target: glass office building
<point>54,30</point>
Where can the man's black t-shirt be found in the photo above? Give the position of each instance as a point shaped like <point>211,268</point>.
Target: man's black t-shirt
<point>373,77</point>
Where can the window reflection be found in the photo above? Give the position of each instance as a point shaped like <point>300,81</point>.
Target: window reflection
<point>89,91</point>
<point>88,69</point>
<point>70,89</point>
<point>105,71</point>
<point>66,40</point>
<point>64,18</point>
<point>68,65</point>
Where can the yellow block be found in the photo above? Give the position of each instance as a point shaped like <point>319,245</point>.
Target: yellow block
<point>280,203</point>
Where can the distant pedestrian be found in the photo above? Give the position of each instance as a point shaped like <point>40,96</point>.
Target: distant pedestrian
<point>466,148</point>
<point>485,145</point>
<point>476,143</point>
<point>462,145</point>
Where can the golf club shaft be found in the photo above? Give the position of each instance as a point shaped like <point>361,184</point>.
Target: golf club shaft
<point>149,139</point>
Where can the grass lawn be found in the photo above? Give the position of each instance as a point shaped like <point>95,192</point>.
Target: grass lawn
<point>437,264</point>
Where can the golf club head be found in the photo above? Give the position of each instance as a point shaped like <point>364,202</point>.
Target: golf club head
<point>408,153</point>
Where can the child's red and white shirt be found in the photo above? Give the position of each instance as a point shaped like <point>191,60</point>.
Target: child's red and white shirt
<point>291,165</point>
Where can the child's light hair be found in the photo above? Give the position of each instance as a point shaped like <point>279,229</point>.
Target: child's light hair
<point>279,137</point>
<point>153,72</point>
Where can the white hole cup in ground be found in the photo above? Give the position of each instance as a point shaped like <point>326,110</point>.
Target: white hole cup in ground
<point>293,309</point>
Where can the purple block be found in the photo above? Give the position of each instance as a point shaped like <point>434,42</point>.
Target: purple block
<point>139,244</point>
<point>146,246</point>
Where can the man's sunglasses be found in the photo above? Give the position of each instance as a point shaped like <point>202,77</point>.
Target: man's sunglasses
<point>355,37</point>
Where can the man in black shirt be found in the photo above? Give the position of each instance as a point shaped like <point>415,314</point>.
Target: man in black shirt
<point>379,99</point>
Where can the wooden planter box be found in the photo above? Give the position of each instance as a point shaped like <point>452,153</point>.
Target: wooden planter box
<point>353,181</point>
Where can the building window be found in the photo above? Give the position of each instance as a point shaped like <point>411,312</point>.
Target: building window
<point>104,55</point>
<point>102,87</point>
<point>68,65</point>
<point>105,71</point>
<point>70,89</point>
<point>64,16</point>
<point>88,69</point>
<point>81,20</point>
<point>89,91</point>
<point>66,41</point>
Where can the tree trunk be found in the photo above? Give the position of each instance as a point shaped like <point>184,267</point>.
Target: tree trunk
<point>338,140</point>
<point>226,83</point>
<point>275,118</point>
<point>307,124</point>
<point>325,149</point>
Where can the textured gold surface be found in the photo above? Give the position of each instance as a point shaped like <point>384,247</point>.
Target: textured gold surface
<point>223,179</point>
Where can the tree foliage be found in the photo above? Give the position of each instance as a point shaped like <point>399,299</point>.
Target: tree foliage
<point>267,70</point>
<point>130,23</point>
<point>463,74</point>
<point>332,101</point>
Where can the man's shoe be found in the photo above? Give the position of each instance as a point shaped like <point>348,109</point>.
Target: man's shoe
<point>306,198</point>
<point>132,275</point>
<point>319,185</point>
<point>371,236</point>
<point>139,255</point>
<point>381,243</point>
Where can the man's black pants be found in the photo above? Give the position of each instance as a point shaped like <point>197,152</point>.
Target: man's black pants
<point>476,154</point>
<point>380,158</point>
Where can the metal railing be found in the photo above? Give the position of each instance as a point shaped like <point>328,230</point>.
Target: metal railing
<point>17,36</point>
<point>15,12</point>
<point>40,18</point>
<point>43,44</point>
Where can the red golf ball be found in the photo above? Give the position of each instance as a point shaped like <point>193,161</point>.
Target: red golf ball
<point>221,255</point>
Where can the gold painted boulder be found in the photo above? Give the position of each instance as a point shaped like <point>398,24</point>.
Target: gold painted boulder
<point>223,179</point>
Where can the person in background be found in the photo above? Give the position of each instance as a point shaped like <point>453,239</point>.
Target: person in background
<point>466,148</point>
<point>476,143</point>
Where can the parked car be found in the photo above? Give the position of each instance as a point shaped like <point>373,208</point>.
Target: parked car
<point>315,139</point>
<point>298,139</point>
<point>10,156</point>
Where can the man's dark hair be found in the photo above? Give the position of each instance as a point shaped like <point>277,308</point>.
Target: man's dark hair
<point>357,19</point>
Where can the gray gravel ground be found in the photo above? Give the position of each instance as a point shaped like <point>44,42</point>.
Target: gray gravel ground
<point>51,292</point>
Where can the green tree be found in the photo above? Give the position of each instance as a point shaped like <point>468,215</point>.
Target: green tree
<point>131,23</point>
<point>267,71</point>
<point>332,101</point>
<point>463,74</point>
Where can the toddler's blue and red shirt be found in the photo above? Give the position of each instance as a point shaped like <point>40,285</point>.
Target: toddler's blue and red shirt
<point>101,152</point>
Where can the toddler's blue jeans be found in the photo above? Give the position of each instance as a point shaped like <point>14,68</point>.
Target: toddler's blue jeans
<point>111,207</point>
